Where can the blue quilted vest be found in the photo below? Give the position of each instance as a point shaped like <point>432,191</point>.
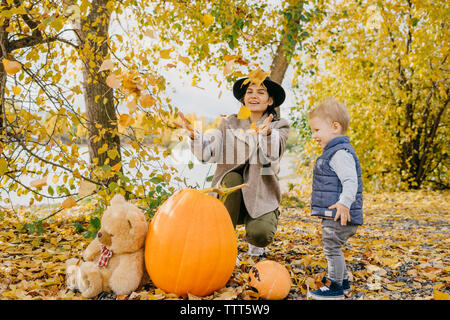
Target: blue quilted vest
<point>327,187</point>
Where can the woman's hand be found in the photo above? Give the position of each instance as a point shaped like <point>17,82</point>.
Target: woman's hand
<point>185,124</point>
<point>264,128</point>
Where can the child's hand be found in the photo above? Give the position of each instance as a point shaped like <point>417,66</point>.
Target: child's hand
<point>341,211</point>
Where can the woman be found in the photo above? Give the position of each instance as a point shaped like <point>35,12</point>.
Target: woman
<point>248,151</point>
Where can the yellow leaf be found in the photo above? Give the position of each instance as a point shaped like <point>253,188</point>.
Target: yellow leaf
<point>103,148</point>
<point>131,105</point>
<point>126,120</point>
<point>55,178</point>
<point>106,65</point>
<point>257,76</point>
<point>86,188</point>
<point>439,295</point>
<point>165,54</point>
<point>243,113</point>
<point>11,67</point>
<point>116,167</point>
<point>208,19</point>
<point>16,90</point>
<point>112,81</point>
<point>68,203</point>
<point>149,33</point>
<point>39,182</point>
<point>147,100</point>
<point>3,166</point>
<point>185,60</point>
<point>228,68</point>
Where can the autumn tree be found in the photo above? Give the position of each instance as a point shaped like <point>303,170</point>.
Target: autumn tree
<point>232,36</point>
<point>388,61</point>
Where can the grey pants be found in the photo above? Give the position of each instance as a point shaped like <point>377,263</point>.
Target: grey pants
<point>260,231</point>
<point>334,236</point>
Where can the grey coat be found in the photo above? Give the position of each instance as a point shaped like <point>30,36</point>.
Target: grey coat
<point>233,147</point>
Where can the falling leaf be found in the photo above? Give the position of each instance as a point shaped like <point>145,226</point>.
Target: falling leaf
<point>147,101</point>
<point>229,66</point>
<point>68,203</point>
<point>11,67</point>
<point>165,54</point>
<point>256,77</point>
<point>126,120</point>
<point>39,183</point>
<point>112,81</point>
<point>86,188</point>
<point>243,113</point>
<point>132,105</point>
<point>106,65</point>
<point>150,33</point>
<point>185,60</point>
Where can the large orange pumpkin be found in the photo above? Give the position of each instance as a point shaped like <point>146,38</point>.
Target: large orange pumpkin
<point>191,244</point>
<point>271,279</point>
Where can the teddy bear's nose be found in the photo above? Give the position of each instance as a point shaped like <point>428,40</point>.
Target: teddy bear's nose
<point>99,234</point>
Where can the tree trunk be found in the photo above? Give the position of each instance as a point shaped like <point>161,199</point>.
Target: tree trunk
<point>279,66</point>
<point>99,99</point>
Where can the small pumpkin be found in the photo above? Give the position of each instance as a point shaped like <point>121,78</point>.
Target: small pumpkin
<point>191,244</point>
<point>271,279</point>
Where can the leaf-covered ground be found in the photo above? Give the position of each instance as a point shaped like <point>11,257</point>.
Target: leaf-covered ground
<point>401,252</point>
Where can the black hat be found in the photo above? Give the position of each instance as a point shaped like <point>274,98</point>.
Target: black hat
<point>274,89</point>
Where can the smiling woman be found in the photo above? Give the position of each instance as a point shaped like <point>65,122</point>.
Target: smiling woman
<point>248,151</point>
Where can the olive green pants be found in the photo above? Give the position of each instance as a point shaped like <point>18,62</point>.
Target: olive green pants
<point>259,231</point>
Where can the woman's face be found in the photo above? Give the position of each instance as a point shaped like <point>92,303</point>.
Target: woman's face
<point>257,98</point>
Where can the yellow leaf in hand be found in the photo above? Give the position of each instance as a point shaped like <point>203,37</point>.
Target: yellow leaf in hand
<point>11,67</point>
<point>68,203</point>
<point>243,113</point>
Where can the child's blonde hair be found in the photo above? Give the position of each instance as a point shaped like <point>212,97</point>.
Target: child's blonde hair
<point>333,110</point>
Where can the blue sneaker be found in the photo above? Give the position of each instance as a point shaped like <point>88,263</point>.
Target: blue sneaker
<point>330,291</point>
<point>346,286</point>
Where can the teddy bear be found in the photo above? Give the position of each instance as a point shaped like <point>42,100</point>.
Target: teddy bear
<point>114,260</point>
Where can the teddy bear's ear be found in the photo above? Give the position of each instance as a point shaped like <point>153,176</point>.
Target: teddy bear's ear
<point>117,199</point>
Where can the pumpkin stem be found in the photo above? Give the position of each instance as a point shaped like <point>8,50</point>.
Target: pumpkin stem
<point>223,191</point>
